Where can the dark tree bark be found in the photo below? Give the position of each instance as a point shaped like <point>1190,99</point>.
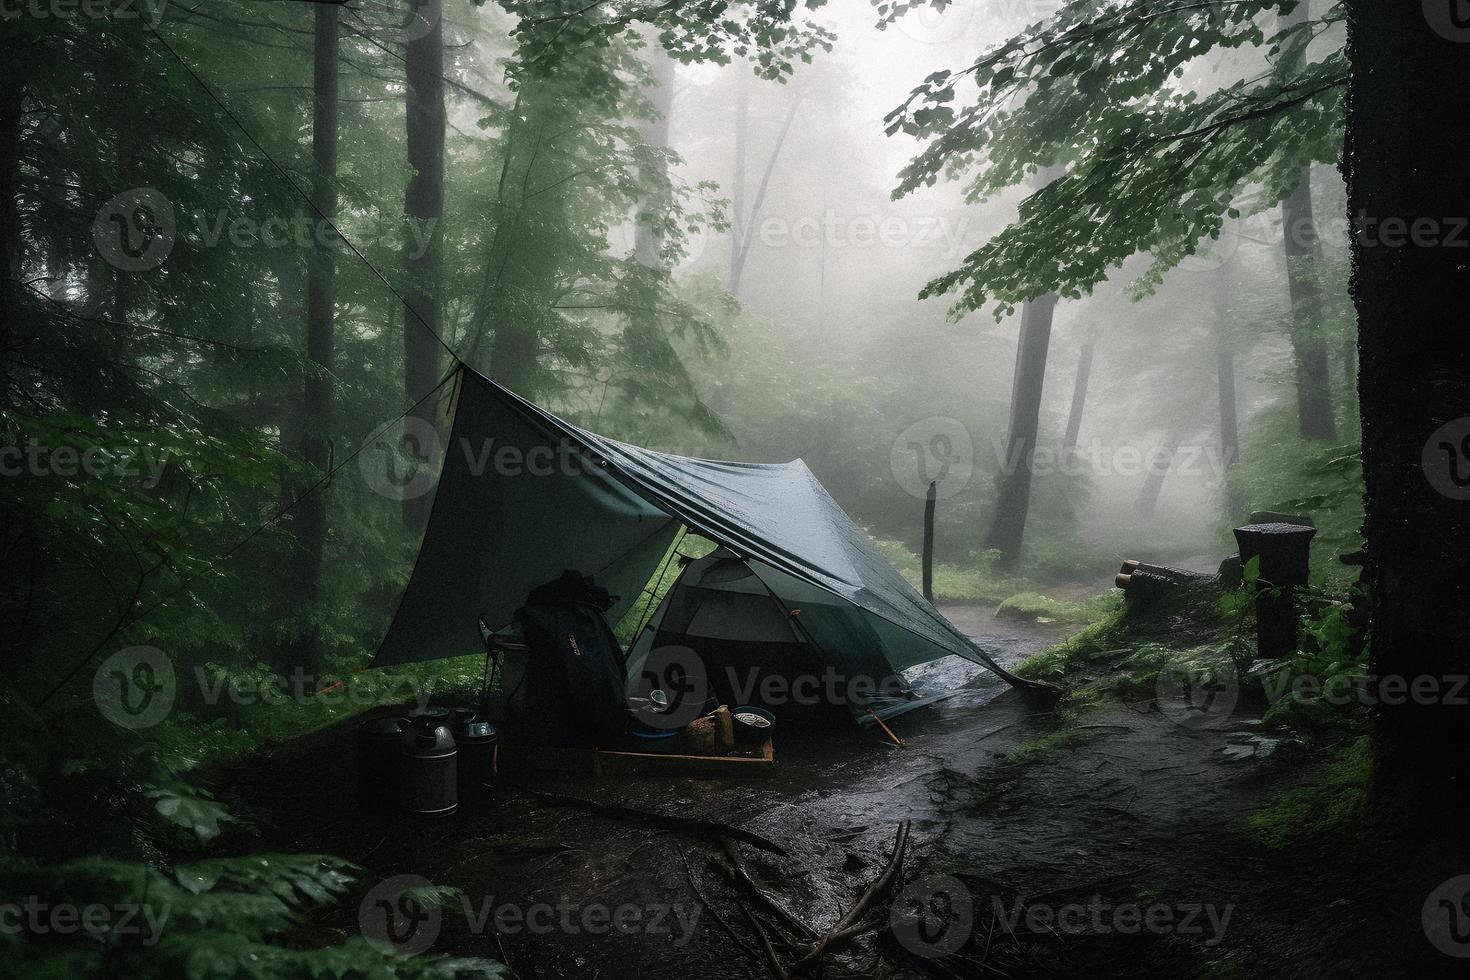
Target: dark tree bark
<point>1405,160</point>
<point>316,404</point>
<point>12,248</point>
<point>1013,482</point>
<point>1303,265</point>
<point>1079,395</point>
<point>1309,348</point>
<point>423,207</point>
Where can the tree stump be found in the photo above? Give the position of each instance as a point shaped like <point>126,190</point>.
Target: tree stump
<point>1284,551</point>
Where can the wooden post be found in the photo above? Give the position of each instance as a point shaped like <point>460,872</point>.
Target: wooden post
<point>929,499</point>
<point>1283,550</point>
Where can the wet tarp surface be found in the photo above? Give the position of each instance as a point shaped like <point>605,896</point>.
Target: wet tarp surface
<point>610,509</point>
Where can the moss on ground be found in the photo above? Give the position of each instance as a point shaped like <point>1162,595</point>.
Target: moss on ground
<point>1334,802</point>
<point>1043,745</point>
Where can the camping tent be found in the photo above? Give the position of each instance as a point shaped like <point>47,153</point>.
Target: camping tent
<point>757,636</point>
<point>523,494</point>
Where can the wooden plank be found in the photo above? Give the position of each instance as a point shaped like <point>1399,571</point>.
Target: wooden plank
<point>600,762</point>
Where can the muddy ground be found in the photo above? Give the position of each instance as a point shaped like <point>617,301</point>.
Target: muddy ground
<point>1137,817</point>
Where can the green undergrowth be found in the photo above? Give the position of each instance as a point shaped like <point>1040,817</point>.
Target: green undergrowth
<point>1038,608</point>
<point>1078,650</point>
<point>1335,802</point>
<point>979,580</point>
<point>1280,471</point>
<point>1033,749</point>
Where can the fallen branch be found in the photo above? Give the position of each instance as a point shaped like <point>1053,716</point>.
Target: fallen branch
<point>734,866</point>
<point>760,931</point>
<point>709,907</point>
<point>847,927</point>
<point>667,821</point>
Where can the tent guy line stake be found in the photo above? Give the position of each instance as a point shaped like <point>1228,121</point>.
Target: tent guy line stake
<point>882,725</point>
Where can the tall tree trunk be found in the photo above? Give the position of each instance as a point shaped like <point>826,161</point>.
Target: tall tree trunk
<point>1079,394</point>
<point>12,248</point>
<point>737,178</point>
<point>1309,348</point>
<point>1159,462</point>
<point>750,222</point>
<point>1225,384</point>
<point>1303,267</point>
<point>1405,161</point>
<point>423,207</point>
<point>1013,483</point>
<point>316,403</point>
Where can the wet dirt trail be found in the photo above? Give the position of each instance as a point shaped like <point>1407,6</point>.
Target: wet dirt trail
<point>1136,814</point>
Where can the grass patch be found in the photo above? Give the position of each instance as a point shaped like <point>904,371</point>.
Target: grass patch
<point>1043,745</point>
<point>977,581</point>
<point>1035,607</point>
<point>1334,802</point>
<point>1077,651</point>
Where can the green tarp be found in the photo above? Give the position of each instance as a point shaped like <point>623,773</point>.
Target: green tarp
<point>523,495</point>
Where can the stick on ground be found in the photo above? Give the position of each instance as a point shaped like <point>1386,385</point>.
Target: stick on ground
<point>665,820</point>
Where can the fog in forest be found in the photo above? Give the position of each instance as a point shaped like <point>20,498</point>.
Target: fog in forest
<point>881,391</point>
